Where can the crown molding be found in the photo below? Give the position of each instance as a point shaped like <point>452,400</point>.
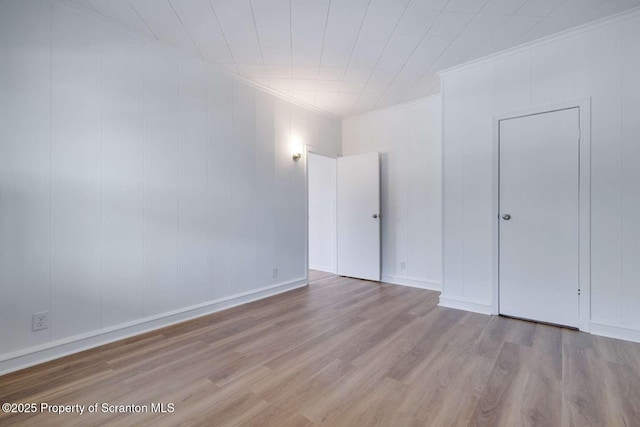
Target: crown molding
<point>274,92</point>
<point>428,98</point>
<point>571,32</point>
<point>174,50</point>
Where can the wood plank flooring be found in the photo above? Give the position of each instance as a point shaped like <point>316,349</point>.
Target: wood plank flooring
<point>344,352</point>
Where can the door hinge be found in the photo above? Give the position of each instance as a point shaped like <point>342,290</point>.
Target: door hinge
<point>579,134</point>
<point>578,291</point>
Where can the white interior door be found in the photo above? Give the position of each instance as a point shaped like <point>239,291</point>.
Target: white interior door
<point>539,217</point>
<point>359,216</point>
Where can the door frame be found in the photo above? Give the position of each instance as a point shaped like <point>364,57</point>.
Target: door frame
<point>584,195</point>
<point>318,151</point>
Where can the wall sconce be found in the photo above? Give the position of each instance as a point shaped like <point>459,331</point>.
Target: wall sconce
<point>296,148</point>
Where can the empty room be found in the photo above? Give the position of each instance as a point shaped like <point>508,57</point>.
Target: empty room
<point>320,213</point>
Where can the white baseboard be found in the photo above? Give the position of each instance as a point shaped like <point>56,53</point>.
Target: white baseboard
<point>21,359</point>
<point>414,283</point>
<point>467,305</point>
<point>615,331</point>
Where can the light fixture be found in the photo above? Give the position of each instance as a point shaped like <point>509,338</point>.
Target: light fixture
<point>296,148</point>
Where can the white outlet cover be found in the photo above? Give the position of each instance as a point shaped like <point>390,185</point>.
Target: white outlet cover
<point>40,321</point>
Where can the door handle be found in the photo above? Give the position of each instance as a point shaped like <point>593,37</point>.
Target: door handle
<point>506,217</point>
<point>374,216</point>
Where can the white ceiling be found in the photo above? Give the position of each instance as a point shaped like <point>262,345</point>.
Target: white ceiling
<point>349,56</point>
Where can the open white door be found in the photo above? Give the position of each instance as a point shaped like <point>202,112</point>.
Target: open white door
<point>358,180</point>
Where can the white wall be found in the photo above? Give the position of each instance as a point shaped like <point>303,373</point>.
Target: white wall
<point>137,186</point>
<point>408,140</point>
<point>600,61</point>
<point>322,212</point>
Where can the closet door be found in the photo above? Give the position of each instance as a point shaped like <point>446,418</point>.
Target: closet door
<point>539,217</point>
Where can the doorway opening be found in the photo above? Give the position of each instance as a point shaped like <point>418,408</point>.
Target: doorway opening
<point>322,221</point>
<point>343,216</point>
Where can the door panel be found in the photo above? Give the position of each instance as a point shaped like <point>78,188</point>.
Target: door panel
<point>358,181</point>
<point>539,217</point>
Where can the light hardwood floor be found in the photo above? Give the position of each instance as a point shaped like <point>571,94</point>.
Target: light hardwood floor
<point>345,352</point>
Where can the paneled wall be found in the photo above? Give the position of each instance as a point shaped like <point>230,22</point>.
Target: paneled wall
<point>601,61</point>
<point>135,184</point>
<point>408,140</point>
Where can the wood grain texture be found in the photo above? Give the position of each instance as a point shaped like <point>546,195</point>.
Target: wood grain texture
<point>344,352</point>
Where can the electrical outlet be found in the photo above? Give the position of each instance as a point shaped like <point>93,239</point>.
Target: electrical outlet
<point>403,265</point>
<point>40,321</point>
<point>274,272</point>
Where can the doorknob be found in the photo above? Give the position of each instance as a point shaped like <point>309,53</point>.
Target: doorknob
<point>374,216</point>
<point>506,217</point>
